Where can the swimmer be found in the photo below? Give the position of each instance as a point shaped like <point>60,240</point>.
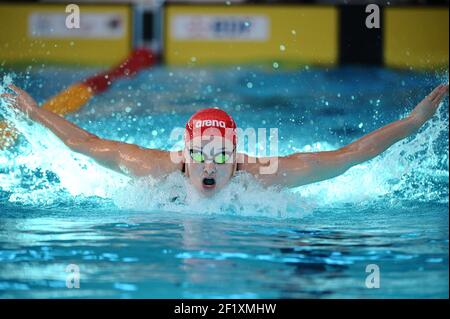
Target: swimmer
<point>209,158</point>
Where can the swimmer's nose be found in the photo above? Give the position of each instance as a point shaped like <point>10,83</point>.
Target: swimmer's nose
<point>210,167</point>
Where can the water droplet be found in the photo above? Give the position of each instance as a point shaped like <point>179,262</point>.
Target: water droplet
<point>249,85</point>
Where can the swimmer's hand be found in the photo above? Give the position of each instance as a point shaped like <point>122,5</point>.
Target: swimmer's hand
<point>21,100</point>
<point>428,106</point>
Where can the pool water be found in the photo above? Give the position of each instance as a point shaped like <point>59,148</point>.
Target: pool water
<point>130,239</point>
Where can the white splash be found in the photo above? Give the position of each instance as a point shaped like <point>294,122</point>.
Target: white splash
<point>243,196</point>
<point>411,169</point>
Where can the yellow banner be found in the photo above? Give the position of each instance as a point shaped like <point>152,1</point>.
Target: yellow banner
<point>40,34</point>
<point>215,34</point>
<point>416,37</point>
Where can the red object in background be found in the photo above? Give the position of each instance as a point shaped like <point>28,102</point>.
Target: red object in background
<point>138,59</point>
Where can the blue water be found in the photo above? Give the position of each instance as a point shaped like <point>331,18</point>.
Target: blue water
<point>131,240</point>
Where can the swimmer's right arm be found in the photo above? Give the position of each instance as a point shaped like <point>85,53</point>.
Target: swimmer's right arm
<point>124,158</point>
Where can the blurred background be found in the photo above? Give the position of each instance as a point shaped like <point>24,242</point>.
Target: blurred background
<point>411,33</point>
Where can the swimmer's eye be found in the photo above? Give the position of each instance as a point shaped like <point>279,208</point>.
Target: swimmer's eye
<point>197,156</point>
<point>221,158</point>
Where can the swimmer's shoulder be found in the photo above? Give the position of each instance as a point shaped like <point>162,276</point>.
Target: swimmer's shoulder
<point>170,161</point>
<point>154,162</point>
<point>246,163</point>
<point>253,165</point>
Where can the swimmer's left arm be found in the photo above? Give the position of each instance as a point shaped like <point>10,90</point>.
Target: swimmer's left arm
<point>305,168</point>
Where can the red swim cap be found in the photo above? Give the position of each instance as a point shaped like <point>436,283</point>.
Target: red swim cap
<point>211,122</point>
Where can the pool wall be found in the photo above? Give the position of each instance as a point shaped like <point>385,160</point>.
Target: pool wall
<point>40,34</point>
<point>293,35</point>
<point>276,35</point>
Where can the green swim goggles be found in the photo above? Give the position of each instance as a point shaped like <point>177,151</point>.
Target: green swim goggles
<point>220,158</point>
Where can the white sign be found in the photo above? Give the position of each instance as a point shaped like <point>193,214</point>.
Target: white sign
<point>220,27</point>
<point>92,25</point>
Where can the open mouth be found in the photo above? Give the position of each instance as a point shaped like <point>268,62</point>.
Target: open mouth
<point>209,182</point>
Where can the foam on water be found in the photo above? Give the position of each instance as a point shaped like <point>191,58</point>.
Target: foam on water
<point>413,169</point>
<point>41,171</point>
<point>243,196</point>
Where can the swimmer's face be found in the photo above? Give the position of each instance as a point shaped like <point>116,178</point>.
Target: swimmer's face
<point>210,163</point>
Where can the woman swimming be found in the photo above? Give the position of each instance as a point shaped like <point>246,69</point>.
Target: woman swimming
<point>209,158</point>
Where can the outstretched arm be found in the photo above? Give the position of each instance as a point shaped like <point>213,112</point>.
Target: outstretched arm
<point>304,168</point>
<point>125,158</point>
